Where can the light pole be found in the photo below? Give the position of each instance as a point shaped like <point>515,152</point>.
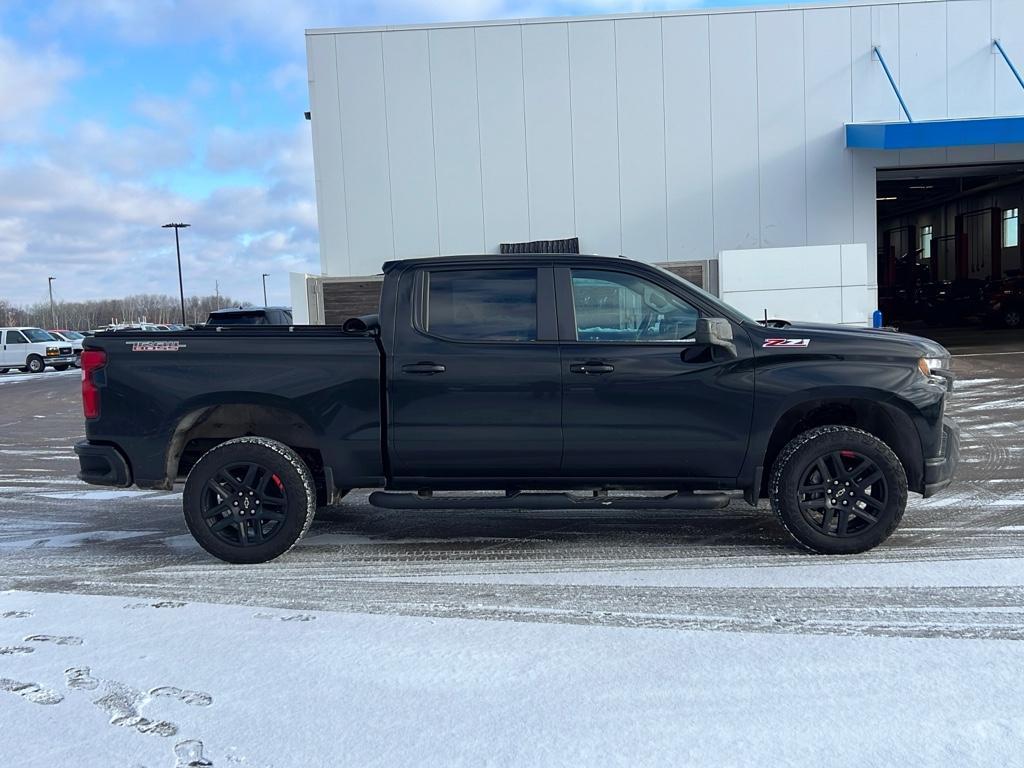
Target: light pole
<point>265,276</point>
<point>53,312</point>
<point>177,247</point>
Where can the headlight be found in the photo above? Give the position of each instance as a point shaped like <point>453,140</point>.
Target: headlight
<point>928,364</point>
<point>51,351</point>
<point>936,371</point>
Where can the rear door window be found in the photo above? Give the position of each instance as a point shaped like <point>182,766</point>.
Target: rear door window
<point>479,304</point>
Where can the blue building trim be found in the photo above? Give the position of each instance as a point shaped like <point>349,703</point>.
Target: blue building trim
<point>936,133</point>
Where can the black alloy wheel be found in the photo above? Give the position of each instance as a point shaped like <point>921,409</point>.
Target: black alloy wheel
<point>249,500</point>
<point>838,489</point>
<point>244,504</point>
<point>843,493</point>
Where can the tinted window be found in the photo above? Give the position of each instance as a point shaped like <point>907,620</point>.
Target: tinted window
<point>614,306</point>
<point>15,337</point>
<point>481,304</point>
<point>239,318</point>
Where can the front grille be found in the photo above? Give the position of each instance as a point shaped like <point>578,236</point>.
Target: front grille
<point>65,350</point>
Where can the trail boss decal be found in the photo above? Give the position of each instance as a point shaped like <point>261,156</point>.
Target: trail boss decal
<point>155,346</point>
<point>786,342</point>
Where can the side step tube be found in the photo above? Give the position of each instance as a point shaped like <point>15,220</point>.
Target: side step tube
<point>680,500</point>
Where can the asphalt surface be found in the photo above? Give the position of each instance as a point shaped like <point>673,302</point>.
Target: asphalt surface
<point>950,570</point>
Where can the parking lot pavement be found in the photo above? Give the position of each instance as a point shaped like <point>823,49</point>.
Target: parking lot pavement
<point>954,568</point>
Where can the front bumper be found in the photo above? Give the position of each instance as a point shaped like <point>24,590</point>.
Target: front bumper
<point>938,471</point>
<point>102,465</point>
<point>61,360</point>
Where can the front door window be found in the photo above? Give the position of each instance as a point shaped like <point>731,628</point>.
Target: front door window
<point>619,307</point>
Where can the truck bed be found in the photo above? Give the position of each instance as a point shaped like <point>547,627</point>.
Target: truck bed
<point>166,395</point>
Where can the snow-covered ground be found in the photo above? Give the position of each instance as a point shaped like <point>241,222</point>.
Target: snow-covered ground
<point>505,638</point>
<point>102,681</point>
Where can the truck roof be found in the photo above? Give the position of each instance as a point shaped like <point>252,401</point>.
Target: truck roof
<point>510,258</point>
<point>237,310</point>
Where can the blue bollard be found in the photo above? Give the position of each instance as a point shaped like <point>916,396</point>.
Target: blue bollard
<point>876,319</point>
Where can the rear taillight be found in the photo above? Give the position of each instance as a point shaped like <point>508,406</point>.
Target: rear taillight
<point>92,361</point>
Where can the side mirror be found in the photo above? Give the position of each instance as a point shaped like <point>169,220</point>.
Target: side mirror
<point>715,332</point>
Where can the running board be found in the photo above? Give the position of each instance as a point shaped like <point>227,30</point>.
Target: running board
<point>681,500</point>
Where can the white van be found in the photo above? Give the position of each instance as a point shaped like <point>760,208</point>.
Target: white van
<point>32,349</point>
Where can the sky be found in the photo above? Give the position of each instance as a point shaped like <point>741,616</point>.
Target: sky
<point>118,116</point>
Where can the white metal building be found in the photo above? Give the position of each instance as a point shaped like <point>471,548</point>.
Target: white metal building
<point>667,137</point>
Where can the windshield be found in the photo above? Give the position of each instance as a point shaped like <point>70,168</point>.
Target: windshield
<point>37,334</point>
<point>73,335</point>
<point>709,298</point>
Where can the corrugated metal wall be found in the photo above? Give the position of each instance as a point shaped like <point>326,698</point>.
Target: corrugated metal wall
<point>665,137</point>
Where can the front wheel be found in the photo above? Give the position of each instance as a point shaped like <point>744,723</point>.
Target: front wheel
<point>838,490</point>
<point>249,500</point>
<point>1012,318</point>
<point>35,364</point>
<point>60,367</point>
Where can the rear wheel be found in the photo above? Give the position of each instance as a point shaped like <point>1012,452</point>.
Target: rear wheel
<point>1012,318</point>
<point>838,490</point>
<point>249,500</point>
<point>35,364</point>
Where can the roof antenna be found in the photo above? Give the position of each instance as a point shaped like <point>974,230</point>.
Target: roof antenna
<point>766,317</point>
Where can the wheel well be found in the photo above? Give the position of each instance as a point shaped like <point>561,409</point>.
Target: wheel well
<point>202,429</point>
<point>888,424</point>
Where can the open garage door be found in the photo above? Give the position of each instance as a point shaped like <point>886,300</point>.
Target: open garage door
<point>949,245</point>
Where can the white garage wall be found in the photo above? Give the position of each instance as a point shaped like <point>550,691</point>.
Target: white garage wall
<point>822,284</point>
<point>666,137</point>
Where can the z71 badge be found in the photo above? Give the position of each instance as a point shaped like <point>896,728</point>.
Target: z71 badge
<point>155,346</point>
<point>786,342</point>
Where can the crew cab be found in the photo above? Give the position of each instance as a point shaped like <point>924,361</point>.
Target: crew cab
<point>33,349</point>
<point>585,376</point>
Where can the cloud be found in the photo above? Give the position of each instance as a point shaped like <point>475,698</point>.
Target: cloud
<point>30,81</point>
<point>100,233</point>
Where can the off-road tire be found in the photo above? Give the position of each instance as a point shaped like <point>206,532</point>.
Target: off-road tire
<point>296,483</point>
<point>798,457</point>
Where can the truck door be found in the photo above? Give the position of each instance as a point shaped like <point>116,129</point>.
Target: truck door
<point>641,398</point>
<point>474,376</point>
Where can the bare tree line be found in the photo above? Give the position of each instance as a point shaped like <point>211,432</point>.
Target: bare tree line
<point>87,315</point>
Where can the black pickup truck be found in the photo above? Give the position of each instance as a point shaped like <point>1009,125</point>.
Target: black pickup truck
<point>586,376</point>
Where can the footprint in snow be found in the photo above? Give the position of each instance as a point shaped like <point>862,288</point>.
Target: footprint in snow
<point>80,678</point>
<point>55,639</point>
<point>189,754</point>
<point>34,692</point>
<point>15,650</point>
<point>290,617</point>
<point>192,698</point>
<point>15,614</point>
<point>160,604</point>
<point>121,702</point>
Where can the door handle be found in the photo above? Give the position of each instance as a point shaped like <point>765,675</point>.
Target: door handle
<point>592,368</point>
<point>427,369</point>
